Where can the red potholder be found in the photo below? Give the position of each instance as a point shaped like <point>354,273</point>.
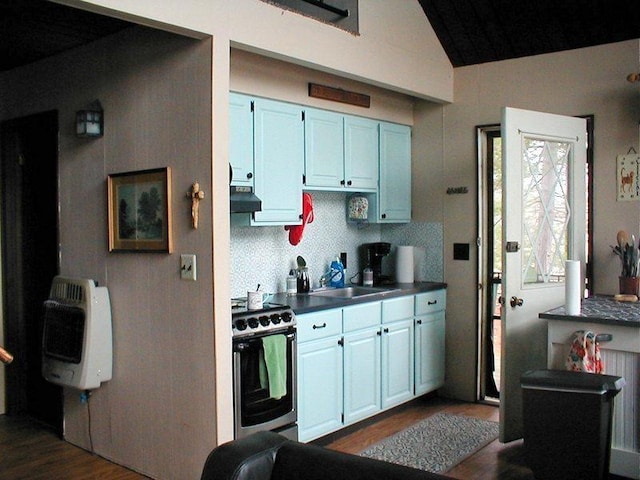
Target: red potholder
<point>296,231</point>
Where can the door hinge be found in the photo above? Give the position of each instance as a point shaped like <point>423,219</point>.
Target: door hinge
<point>303,115</point>
<point>304,179</point>
<point>253,106</point>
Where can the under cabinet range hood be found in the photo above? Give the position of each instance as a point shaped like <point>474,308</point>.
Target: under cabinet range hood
<point>243,200</point>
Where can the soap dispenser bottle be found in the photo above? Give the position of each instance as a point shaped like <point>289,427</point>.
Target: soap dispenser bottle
<point>336,274</point>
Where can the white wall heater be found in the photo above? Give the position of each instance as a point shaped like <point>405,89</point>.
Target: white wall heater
<point>77,346</point>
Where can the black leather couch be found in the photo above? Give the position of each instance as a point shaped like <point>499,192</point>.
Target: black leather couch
<point>269,456</point>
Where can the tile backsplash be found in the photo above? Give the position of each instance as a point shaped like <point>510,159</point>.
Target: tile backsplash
<point>263,255</point>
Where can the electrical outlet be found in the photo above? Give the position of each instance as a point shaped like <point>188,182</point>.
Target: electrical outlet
<point>188,267</point>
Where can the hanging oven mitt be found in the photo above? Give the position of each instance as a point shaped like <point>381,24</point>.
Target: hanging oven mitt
<point>296,231</point>
<point>584,355</point>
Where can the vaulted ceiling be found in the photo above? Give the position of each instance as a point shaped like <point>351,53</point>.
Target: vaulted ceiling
<point>471,31</point>
<point>480,31</point>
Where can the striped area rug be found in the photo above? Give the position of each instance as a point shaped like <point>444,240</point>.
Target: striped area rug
<point>437,443</point>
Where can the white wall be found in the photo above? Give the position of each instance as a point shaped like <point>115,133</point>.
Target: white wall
<point>395,49</point>
<point>577,82</point>
<point>266,77</point>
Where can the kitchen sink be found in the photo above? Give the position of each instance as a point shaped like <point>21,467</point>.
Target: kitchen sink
<point>351,292</point>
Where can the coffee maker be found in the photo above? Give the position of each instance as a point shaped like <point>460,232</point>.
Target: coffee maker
<point>374,253</point>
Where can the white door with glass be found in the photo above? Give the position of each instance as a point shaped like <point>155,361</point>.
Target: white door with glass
<point>544,212</point>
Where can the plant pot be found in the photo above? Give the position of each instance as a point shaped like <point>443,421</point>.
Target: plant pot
<point>629,285</point>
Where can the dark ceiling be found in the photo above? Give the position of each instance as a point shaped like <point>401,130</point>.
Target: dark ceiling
<point>480,31</point>
<point>471,31</point>
<point>31,30</point>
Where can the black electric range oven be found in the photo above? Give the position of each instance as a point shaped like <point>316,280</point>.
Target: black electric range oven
<point>264,369</point>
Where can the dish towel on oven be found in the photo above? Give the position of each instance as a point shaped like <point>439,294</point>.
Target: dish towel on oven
<point>274,376</point>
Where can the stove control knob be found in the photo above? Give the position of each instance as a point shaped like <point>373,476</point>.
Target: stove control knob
<point>286,317</point>
<point>241,324</point>
<point>264,321</point>
<point>275,319</point>
<point>253,322</point>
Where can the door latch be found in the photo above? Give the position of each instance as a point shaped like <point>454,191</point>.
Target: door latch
<point>512,247</point>
<point>516,302</point>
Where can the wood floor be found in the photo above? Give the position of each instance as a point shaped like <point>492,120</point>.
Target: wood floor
<point>495,461</point>
<point>29,451</point>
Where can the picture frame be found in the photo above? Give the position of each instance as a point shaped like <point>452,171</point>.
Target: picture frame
<point>627,170</point>
<point>139,205</point>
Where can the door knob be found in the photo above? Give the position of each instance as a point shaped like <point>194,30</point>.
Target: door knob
<point>516,302</point>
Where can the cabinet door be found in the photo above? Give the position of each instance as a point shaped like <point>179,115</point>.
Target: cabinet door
<point>360,153</point>
<point>324,154</point>
<point>429,332</point>
<point>241,139</point>
<point>319,388</point>
<point>395,173</point>
<point>397,363</point>
<point>279,160</point>
<point>361,375</point>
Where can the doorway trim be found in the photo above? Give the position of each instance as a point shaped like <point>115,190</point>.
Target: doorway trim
<point>484,133</point>
<point>485,244</point>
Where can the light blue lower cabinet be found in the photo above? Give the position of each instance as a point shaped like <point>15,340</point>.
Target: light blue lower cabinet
<point>319,388</point>
<point>397,363</point>
<point>357,361</point>
<point>429,333</point>
<point>361,375</point>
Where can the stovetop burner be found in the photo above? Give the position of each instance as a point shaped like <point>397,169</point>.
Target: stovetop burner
<point>239,305</point>
<point>271,317</point>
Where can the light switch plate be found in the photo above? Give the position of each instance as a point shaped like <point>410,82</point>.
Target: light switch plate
<point>188,267</point>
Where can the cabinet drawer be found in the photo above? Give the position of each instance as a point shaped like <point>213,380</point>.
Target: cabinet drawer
<point>429,302</point>
<point>361,316</point>
<point>312,326</point>
<point>397,309</point>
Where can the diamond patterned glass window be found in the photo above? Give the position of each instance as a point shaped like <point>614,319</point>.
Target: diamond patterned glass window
<point>545,209</point>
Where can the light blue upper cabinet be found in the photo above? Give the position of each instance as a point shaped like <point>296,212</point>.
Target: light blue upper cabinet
<point>241,139</point>
<point>341,152</point>
<point>395,173</point>
<point>360,153</point>
<point>279,162</point>
<point>323,133</point>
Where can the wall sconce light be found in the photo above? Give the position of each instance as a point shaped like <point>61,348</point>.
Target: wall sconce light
<point>90,122</point>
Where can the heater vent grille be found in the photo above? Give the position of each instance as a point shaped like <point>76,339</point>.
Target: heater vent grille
<point>68,292</point>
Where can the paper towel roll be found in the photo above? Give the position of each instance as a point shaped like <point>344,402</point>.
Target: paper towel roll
<point>404,264</point>
<point>572,287</point>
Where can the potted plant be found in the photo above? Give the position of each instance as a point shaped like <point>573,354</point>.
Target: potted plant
<point>627,250</point>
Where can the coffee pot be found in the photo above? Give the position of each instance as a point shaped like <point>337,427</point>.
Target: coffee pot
<point>374,253</point>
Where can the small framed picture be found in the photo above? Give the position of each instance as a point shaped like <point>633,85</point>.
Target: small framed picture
<point>140,211</point>
<point>627,177</point>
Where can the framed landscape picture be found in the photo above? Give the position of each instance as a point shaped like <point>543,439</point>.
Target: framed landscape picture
<point>140,211</point>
